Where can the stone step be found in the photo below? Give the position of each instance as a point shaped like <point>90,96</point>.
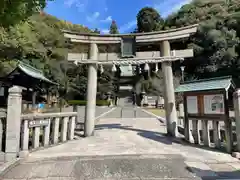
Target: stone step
<point>105,167</point>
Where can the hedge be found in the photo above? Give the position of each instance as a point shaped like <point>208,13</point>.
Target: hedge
<point>83,102</point>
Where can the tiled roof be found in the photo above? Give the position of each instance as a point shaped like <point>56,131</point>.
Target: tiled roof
<point>33,72</point>
<point>206,84</point>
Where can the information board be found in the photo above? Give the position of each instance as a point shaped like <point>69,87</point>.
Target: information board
<point>214,104</point>
<point>192,104</point>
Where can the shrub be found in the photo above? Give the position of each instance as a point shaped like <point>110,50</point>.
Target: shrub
<point>84,102</point>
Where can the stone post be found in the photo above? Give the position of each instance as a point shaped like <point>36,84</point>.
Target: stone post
<point>169,94</point>
<point>34,96</point>
<point>143,98</point>
<point>181,110</point>
<point>237,116</point>
<point>91,93</point>
<point>13,123</point>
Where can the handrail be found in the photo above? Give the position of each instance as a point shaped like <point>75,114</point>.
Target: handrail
<point>47,115</point>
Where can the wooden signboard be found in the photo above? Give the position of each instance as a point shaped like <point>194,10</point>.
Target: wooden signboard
<point>206,105</point>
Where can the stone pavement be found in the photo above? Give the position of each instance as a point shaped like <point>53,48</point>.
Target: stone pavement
<point>81,111</point>
<point>127,148</point>
<point>127,112</point>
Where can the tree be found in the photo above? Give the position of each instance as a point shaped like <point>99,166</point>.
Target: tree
<point>113,28</point>
<point>148,20</point>
<point>14,11</point>
<point>217,41</point>
<point>40,42</point>
<point>97,31</point>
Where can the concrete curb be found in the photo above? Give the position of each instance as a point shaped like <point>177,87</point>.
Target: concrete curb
<point>9,165</point>
<point>154,115</point>
<point>103,114</point>
<point>101,157</point>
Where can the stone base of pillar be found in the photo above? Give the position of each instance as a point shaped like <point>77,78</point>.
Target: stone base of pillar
<point>89,135</point>
<point>10,156</point>
<point>23,154</point>
<point>2,156</point>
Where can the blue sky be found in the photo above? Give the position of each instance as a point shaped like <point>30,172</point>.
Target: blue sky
<point>100,13</point>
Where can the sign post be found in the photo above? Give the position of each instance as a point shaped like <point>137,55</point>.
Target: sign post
<point>204,101</point>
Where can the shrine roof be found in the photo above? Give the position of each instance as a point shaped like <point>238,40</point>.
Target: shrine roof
<point>33,72</point>
<point>219,83</point>
<point>29,71</point>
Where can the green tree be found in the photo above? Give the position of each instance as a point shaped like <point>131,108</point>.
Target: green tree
<point>217,41</point>
<point>12,11</point>
<point>97,31</point>
<point>40,42</point>
<point>148,20</point>
<point>113,28</point>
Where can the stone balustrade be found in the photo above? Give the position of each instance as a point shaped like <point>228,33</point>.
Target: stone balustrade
<point>42,130</point>
<point>27,132</point>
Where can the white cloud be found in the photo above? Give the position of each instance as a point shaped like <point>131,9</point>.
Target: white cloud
<point>93,17</point>
<point>174,8</point>
<point>79,4</point>
<point>105,31</point>
<point>127,26</point>
<point>108,19</point>
<point>69,3</point>
<point>159,7</point>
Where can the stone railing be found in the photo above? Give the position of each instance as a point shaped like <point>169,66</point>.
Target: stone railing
<point>216,133</point>
<point>26,132</point>
<point>42,130</point>
<point>210,133</point>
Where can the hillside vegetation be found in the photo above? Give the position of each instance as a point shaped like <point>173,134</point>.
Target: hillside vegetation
<point>216,43</point>
<point>38,40</point>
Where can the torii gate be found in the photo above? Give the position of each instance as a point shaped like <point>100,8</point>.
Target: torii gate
<point>125,53</point>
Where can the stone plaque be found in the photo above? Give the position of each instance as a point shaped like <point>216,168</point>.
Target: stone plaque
<point>38,123</point>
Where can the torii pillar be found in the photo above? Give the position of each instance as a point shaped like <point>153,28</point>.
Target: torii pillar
<point>169,95</point>
<point>89,123</point>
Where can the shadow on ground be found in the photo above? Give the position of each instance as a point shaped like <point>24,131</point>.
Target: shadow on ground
<point>156,136</point>
<point>215,175</point>
<point>152,135</point>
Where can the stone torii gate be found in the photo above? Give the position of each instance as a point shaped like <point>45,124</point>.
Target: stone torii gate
<point>122,49</point>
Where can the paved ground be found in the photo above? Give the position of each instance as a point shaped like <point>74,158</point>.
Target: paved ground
<point>127,148</point>
<point>127,112</point>
<point>81,111</point>
<point>104,168</point>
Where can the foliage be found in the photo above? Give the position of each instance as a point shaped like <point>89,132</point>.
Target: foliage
<point>40,42</point>
<point>83,102</point>
<point>12,12</point>
<point>37,38</point>
<point>148,20</point>
<point>97,31</point>
<point>216,44</point>
<point>113,28</point>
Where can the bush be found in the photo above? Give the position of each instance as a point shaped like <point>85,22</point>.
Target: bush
<point>77,102</point>
<point>83,102</point>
